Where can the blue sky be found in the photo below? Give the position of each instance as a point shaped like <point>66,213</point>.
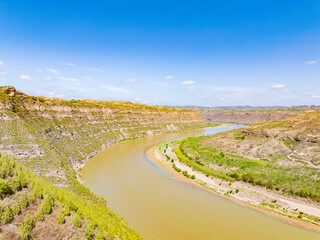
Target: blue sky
<point>208,53</point>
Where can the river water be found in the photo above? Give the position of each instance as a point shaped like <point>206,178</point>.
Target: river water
<point>160,206</point>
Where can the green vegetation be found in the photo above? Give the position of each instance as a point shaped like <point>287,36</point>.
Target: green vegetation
<point>176,168</point>
<point>60,217</point>
<point>196,165</point>
<point>107,222</point>
<point>213,124</point>
<point>26,226</point>
<point>77,221</point>
<point>270,172</point>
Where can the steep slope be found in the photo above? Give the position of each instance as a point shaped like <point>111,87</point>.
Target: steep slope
<point>32,208</point>
<point>54,137</point>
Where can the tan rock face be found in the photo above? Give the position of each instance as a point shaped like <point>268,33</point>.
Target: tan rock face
<point>296,138</point>
<point>11,91</point>
<point>48,134</point>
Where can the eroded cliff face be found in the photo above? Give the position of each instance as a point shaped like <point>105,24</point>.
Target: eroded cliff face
<point>247,117</point>
<point>54,136</point>
<point>252,116</point>
<point>294,141</point>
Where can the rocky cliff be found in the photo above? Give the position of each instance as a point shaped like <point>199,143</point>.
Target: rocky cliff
<point>54,137</point>
<point>252,115</point>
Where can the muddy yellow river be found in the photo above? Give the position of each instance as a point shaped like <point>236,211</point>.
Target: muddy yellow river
<point>160,206</point>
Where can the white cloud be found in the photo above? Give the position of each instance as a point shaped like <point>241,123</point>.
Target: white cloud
<point>115,89</point>
<point>188,83</point>
<point>277,86</point>
<point>131,80</point>
<point>47,79</point>
<point>39,70</point>
<point>26,77</point>
<point>88,78</point>
<point>95,70</point>
<point>68,79</point>
<point>52,70</point>
<point>3,73</point>
<point>315,96</point>
<point>311,62</point>
<point>70,64</point>
<point>168,77</point>
<point>1,63</point>
<point>138,99</point>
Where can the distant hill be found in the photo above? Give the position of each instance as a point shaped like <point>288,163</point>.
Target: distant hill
<point>250,115</point>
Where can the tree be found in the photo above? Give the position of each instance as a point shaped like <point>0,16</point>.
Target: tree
<point>101,236</point>
<point>26,226</point>
<point>46,205</point>
<point>15,184</point>
<point>4,187</point>
<point>23,201</point>
<point>39,215</point>
<point>60,217</point>
<point>15,209</point>
<point>89,233</point>
<point>77,221</point>
<point>5,215</point>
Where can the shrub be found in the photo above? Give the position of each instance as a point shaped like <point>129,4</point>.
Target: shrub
<point>101,236</point>
<point>76,221</point>
<point>234,175</point>
<point>4,187</point>
<point>23,201</point>
<point>37,191</point>
<point>15,209</point>
<point>15,184</point>
<point>22,179</point>
<point>39,216</point>
<point>31,198</point>
<point>66,210</point>
<point>46,205</point>
<point>193,177</point>
<point>26,226</point>
<point>247,178</point>
<point>89,233</point>
<point>186,174</point>
<point>176,168</point>
<point>72,206</point>
<point>6,215</point>
<point>60,217</point>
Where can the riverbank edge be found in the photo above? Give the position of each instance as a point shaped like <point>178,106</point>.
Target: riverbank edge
<point>150,153</point>
<point>82,164</point>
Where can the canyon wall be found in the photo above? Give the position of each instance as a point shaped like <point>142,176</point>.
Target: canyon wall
<point>54,137</point>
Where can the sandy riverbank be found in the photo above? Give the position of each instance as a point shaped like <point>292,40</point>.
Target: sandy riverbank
<point>269,202</point>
